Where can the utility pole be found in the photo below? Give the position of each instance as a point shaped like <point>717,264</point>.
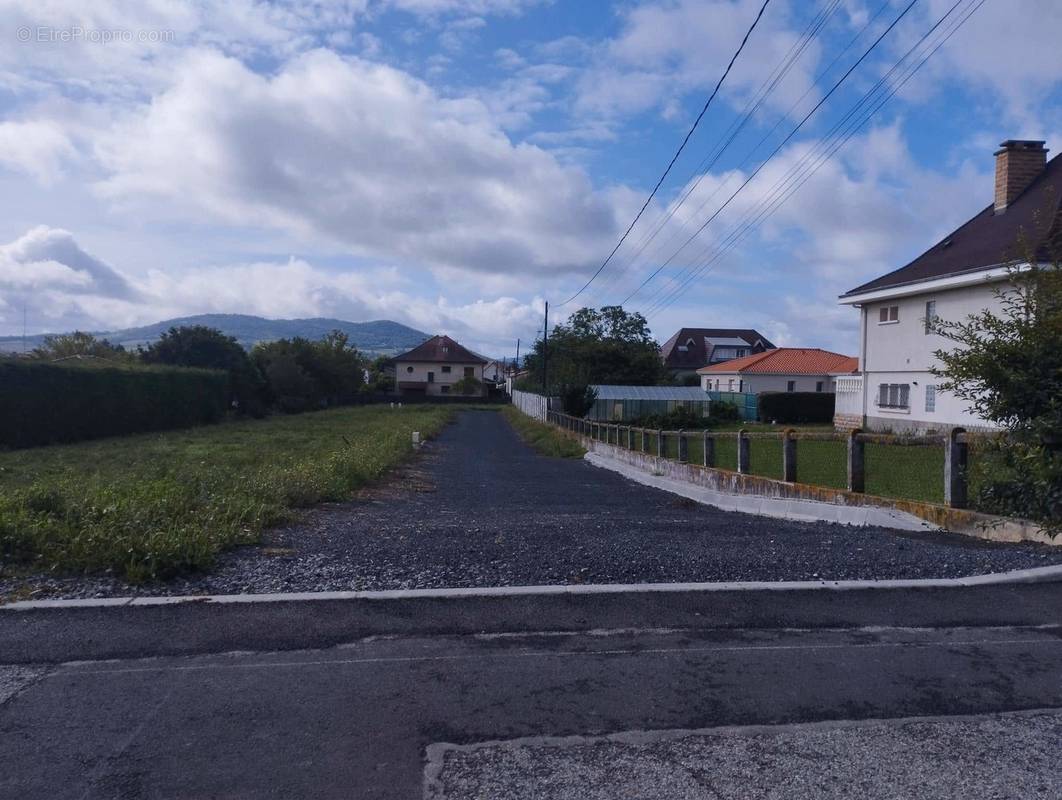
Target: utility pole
<point>516,364</point>
<point>545,350</point>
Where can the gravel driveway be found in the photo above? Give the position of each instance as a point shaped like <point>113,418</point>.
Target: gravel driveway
<point>480,508</point>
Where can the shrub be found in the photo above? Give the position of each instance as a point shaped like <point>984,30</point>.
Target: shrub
<point>577,400</point>
<point>796,407</point>
<point>721,411</point>
<point>682,418</point>
<point>49,403</point>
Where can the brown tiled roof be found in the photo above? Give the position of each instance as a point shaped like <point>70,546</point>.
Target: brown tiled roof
<point>441,349</point>
<point>696,356</point>
<point>787,361</point>
<point>989,238</point>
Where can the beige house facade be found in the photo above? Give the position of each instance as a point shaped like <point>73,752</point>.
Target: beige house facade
<point>440,367</point>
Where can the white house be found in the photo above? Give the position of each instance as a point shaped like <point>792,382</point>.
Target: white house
<point>956,277</point>
<point>432,368</point>
<point>783,369</point>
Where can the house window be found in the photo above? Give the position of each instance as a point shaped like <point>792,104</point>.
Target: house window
<point>431,377</point>
<point>446,369</point>
<point>444,389</point>
<point>894,395</point>
<point>818,386</point>
<point>887,314</point>
<point>470,372</point>
<point>790,386</point>
<point>409,369</point>
<point>730,385</point>
<point>931,398</point>
<point>931,316</point>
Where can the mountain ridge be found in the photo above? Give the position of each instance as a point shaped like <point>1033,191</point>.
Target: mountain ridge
<point>382,336</point>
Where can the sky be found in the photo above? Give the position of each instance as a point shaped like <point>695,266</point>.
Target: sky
<point>455,164</point>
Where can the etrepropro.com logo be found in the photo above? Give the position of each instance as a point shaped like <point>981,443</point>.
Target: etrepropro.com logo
<point>76,34</point>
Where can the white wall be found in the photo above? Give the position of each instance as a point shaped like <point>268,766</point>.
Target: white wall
<point>902,352</point>
<point>760,382</point>
<point>416,371</point>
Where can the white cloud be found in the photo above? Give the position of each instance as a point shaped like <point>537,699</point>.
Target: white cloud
<point>36,147</point>
<point>61,287</point>
<point>1010,50</point>
<point>363,154</point>
<point>667,49</point>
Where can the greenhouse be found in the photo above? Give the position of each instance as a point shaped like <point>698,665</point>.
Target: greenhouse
<point>621,403</point>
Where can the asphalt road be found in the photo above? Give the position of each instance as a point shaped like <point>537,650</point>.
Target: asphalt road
<point>412,714</point>
<point>480,508</point>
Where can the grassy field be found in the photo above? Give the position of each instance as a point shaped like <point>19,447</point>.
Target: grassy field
<point>545,439</point>
<point>153,505</point>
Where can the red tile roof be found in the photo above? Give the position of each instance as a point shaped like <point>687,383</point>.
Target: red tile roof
<point>441,349</point>
<point>788,361</point>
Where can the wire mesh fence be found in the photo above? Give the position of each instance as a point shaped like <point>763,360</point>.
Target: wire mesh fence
<point>910,468</point>
<point>905,470</point>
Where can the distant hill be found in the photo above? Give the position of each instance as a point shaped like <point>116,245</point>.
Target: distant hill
<point>379,336</point>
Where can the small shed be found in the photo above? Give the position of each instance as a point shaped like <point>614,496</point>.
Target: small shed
<point>619,403</point>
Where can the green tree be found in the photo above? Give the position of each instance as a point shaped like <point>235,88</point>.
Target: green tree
<point>468,385</point>
<point>200,346</point>
<point>381,375</point>
<point>1007,366</point>
<point>332,369</point>
<point>78,343</point>
<point>606,346</point>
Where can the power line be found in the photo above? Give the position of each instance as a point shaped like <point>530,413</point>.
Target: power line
<point>801,172</point>
<point>777,149</point>
<point>674,158</point>
<point>709,161</point>
<point>766,136</point>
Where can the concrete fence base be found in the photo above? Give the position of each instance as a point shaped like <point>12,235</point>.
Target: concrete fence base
<point>735,491</point>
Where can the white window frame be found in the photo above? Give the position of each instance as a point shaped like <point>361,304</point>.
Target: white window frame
<point>931,316</point>
<point>931,398</point>
<point>891,314</point>
<point>896,397</point>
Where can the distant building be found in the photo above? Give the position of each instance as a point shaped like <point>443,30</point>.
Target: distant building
<point>783,369</point>
<point>616,403</point>
<point>692,348</point>
<point>432,368</point>
<point>954,278</point>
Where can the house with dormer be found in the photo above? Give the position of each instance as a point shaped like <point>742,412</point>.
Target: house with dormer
<point>439,367</point>
<point>692,348</point>
<point>960,275</point>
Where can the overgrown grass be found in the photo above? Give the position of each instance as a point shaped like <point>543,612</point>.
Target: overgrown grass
<point>545,439</point>
<point>153,505</point>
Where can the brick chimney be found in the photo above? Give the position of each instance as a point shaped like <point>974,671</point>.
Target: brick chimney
<point>1018,162</point>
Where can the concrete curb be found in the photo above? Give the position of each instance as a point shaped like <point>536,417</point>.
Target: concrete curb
<point>1049,574</point>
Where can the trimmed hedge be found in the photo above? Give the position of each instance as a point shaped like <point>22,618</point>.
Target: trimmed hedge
<point>796,407</point>
<point>50,403</point>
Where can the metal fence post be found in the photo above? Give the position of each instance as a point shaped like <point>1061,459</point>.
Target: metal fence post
<point>645,440</point>
<point>709,449</point>
<point>856,462</point>
<point>956,453</point>
<point>683,447</point>
<point>660,449</point>
<point>789,456</point>
<point>630,438</point>
<point>743,451</point>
